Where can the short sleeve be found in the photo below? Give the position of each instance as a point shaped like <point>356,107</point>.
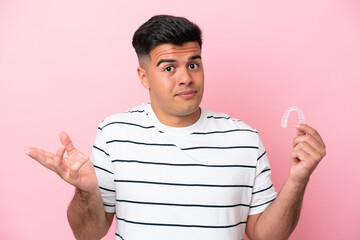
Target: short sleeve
<point>263,191</point>
<point>100,158</point>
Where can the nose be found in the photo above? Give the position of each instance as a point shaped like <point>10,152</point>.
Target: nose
<point>185,77</point>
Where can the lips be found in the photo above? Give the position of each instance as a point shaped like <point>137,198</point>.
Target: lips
<point>184,93</point>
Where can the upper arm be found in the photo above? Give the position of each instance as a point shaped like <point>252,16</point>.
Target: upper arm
<point>104,170</point>
<point>250,225</point>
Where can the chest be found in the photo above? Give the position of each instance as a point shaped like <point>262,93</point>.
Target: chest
<point>217,170</point>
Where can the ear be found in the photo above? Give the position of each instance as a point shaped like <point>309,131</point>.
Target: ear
<point>143,77</point>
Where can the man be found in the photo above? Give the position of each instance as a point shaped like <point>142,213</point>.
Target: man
<point>173,170</point>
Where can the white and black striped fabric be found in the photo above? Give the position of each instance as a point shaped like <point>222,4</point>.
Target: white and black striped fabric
<point>197,182</point>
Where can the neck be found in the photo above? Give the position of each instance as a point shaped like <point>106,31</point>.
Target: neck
<point>172,120</point>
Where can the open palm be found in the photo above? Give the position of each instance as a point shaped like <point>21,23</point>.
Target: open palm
<point>75,169</point>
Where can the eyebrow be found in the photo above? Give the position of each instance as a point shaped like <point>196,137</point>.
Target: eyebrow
<point>172,60</point>
<point>165,60</point>
<point>195,57</point>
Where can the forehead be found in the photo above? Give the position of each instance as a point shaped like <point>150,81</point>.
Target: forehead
<point>175,51</point>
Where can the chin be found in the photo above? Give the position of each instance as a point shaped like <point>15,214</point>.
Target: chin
<point>188,110</point>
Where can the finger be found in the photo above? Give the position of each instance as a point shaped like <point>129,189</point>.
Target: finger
<point>309,140</point>
<point>74,171</point>
<point>305,159</point>
<point>66,141</point>
<point>296,150</point>
<point>302,156</point>
<point>300,132</point>
<point>58,159</point>
<point>39,155</point>
<point>311,131</point>
<point>311,153</point>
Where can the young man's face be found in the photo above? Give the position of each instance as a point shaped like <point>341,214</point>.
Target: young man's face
<point>175,78</point>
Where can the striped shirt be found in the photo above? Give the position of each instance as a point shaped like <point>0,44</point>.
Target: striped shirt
<point>196,182</point>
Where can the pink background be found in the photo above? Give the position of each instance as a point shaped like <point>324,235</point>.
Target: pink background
<point>66,65</point>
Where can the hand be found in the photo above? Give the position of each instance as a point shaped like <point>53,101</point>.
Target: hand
<point>308,150</point>
<point>75,169</point>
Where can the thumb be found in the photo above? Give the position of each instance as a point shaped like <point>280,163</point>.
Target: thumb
<point>299,132</point>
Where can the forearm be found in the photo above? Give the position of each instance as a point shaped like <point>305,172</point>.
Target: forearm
<point>280,218</point>
<point>86,215</point>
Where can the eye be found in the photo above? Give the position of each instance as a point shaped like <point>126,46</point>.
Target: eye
<point>169,69</point>
<point>193,66</point>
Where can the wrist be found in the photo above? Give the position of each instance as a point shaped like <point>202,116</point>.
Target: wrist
<point>296,185</point>
<point>86,195</point>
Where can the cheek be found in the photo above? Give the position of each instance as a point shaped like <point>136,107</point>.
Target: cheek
<point>199,78</point>
<point>162,84</point>
<point>167,82</point>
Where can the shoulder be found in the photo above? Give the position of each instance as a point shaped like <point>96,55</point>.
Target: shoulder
<point>132,116</point>
<point>221,120</point>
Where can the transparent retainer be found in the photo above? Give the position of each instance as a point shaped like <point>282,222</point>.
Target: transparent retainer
<point>286,115</point>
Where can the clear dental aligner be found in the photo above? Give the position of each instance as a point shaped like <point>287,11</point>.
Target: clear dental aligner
<point>286,115</point>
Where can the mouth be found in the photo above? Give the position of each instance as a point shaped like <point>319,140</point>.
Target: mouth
<point>186,94</point>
